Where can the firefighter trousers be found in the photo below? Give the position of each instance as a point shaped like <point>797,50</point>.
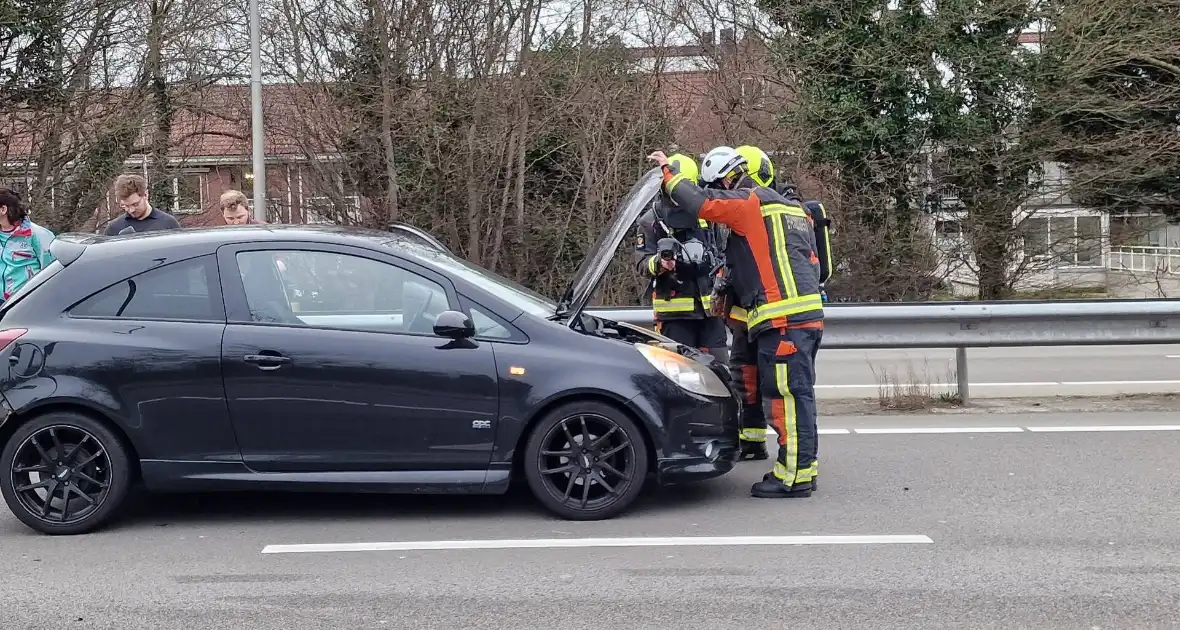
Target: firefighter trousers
<point>786,364</point>
<point>743,370</point>
<point>707,335</point>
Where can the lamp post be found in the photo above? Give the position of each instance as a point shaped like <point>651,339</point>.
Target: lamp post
<point>259,147</point>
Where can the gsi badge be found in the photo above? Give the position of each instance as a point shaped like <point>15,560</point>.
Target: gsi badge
<point>481,424</point>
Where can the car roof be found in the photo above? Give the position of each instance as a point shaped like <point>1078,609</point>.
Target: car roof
<point>213,237</point>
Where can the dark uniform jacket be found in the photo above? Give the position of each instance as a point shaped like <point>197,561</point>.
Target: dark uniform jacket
<point>686,292</point>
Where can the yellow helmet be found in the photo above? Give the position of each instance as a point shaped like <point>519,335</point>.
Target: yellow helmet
<point>684,165</point>
<point>760,168</point>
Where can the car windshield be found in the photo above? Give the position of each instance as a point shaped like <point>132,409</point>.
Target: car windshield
<point>519,296</point>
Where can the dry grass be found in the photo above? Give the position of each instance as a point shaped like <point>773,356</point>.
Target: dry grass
<point>913,391</point>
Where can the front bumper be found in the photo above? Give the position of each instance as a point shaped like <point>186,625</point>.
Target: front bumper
<point>699,438</point>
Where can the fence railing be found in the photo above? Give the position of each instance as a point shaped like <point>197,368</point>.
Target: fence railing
<point>1143,259</point>
<point>963,325</point>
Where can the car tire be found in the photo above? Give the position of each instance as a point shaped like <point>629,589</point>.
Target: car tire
<point>614,465</point>
<point>82,471</point>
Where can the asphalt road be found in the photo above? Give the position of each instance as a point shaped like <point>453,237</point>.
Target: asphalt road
<point>1026,529</point>
<point>1005,372</point>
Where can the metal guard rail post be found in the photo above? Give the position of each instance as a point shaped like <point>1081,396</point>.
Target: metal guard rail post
<point>962,325</point>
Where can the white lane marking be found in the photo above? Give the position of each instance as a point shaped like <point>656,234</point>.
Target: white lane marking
<point>877,385</point>
<point>882,431</point>
<point>1172,356</point>
<point>1121,383</point>
<point>565,543</point>
<point>1145,427</point>
<point>1021,384</point>
<point>770,435</point>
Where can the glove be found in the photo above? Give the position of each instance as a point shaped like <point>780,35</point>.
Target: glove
<point>721,303</point>
<point>720,297</point>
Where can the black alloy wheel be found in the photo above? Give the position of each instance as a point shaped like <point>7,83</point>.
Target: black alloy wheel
<point>586,461</point>
<point>63,473</point>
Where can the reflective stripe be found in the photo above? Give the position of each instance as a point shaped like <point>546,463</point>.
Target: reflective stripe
<point>788,436</point>
<point>802,475</point>
<point>737,313</point>
<point>703,223</point>
<point>676,179</point>
<point>653,264</point>
<point>827,240</point>
<point>674,305</point>
<point>680,304</point>
<point>785,308</point>
<point>753,435</point>
<point>784,259</point>
<point>778,209</point>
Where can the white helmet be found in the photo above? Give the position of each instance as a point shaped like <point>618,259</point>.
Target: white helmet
<point>719,162</point>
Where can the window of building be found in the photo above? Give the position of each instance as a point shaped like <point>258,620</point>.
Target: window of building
<point>1035,233</point>
<point>754,88</point>
<point>1068,240</point>
<point>328,195</point>
<point>188,193</point>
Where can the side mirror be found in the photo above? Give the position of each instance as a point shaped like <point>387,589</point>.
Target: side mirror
<point>454,325</point>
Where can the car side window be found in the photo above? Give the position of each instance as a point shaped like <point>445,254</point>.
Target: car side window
<point>332,290</point>
<point>487,326</point>
<point>176,291</point>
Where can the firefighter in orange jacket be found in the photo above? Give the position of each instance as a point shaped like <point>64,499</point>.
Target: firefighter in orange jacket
<point>743,364</point>
<point>775,278</point>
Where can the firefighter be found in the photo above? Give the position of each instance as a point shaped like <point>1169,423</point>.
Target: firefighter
<point>743,359</point>
<point>775,278</point>
<point>761,170</point>
<point>681,266</point>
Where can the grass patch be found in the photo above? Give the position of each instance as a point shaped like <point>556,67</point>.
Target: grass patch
<point>911,391</point>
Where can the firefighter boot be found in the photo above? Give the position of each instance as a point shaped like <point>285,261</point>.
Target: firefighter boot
<point>771,488</point>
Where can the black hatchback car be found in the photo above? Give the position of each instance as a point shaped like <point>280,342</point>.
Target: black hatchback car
<point>332,359</point>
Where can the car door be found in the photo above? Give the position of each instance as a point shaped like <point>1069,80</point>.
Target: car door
<point>331,363</point>
<point>148,348</point>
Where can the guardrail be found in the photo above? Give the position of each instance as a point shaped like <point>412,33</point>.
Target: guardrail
<point>963,325</point>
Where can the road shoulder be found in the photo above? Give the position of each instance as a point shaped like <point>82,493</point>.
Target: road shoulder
<point>1125,404</point>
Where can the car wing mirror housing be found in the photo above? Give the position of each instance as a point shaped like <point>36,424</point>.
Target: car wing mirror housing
<point>454,325</point>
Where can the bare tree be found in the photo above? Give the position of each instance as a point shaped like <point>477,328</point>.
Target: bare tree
<point>123,72</point>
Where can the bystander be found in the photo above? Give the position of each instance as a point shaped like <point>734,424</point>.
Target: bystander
<point>235,209</point>
<point>24,245</point>
<point>138,214</point>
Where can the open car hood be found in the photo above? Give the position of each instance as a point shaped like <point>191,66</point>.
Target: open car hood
<point>584,283</point>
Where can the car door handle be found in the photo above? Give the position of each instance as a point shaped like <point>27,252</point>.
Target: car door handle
<point>267,361</point>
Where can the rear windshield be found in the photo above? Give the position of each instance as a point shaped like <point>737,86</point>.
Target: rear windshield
<point>35,282</point>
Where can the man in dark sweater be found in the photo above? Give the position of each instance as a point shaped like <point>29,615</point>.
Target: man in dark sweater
<point>235,209</point>
<point>138,214</point>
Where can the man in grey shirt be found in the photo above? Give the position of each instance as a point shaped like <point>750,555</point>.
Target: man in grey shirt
<point>138,214</point>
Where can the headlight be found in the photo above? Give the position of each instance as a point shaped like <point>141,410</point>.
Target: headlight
<point>683,371</point>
